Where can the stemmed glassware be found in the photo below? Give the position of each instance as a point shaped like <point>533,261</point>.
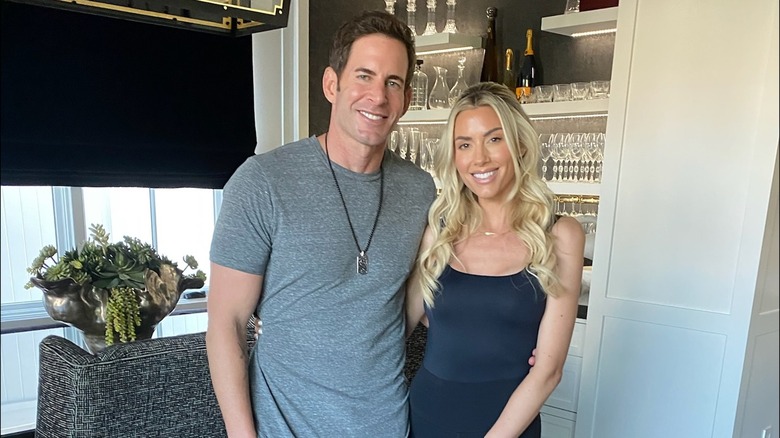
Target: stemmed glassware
<point>575,153</point>
<point>403,142</point>
<point>430,26</point>
<point>590,146</point>
<point>545,152</point>
<point>392,142</point>
<point>599,158</point>
<point>415,139</point>
<point>449,26</point>
<point>558,153</point>
<point>426,154</point>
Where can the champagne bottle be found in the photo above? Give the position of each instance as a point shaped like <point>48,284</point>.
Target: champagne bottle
<point>490,61</point>
<point>509,75</point>
<point>527,77</point>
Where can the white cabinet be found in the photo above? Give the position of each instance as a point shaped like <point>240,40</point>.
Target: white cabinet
<point>557,423</point>
<point>560,410</point>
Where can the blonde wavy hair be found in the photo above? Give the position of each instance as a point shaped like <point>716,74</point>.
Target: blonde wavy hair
<point>455,214</point>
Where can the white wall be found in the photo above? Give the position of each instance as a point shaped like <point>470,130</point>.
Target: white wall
<point>280,61</point>
<point>692,143</point>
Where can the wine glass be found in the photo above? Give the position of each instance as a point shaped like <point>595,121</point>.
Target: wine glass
<point>392,142</point>
<point>575,153</point>
<point>589,144</point>
<point>415,138</point>
<point>599,158</point>
<point>403,142</point>
<point>557,153</point>
<point>545,151</point>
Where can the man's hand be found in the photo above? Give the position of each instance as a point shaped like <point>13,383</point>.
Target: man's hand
<point>531,360</point>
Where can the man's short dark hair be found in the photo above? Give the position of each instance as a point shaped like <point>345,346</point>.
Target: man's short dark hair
<point>368,23</point>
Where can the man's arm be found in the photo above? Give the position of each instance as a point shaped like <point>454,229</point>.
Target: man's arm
<point>233,296</point>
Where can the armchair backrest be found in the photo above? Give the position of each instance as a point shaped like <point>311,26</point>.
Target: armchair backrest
<point>146,388</point>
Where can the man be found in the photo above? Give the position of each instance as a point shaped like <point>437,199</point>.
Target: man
<point>319,237</point>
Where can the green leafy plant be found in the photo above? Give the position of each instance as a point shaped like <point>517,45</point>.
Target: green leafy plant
<point>118,267</point>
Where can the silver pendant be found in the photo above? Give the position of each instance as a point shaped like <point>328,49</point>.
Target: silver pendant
<point>362,263</point>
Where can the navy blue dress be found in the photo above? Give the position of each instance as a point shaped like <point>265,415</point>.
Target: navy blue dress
<point>481,332</point>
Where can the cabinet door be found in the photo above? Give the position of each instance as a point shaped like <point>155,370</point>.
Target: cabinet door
<point>556,427</point>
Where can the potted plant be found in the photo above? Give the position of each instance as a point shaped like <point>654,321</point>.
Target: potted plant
<point>111,291</point>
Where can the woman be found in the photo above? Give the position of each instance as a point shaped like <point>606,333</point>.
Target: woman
<point>497,276</point>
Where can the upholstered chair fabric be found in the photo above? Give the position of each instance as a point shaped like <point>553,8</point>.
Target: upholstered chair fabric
<point>149,388</point>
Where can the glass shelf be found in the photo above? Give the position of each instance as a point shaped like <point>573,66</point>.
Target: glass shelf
<point>574,188</point>
<point>596,20</point>
<point>533,110</point>
<point>445,42</point>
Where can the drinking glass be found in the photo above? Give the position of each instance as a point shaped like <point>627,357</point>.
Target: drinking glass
<point>544,93</point>
<point>572,6</point>
<point>599,89</point>
<point>589,145</point>
<point>579,90</point>
<point>392,142</point>
<point>403,142</point>
<point>575,153</point>
<point>600,140</point>
<point>558,154</point>
<point>415,138</point>
<point>545,153</point>
<point>426,155</point>
<point>561,92</point>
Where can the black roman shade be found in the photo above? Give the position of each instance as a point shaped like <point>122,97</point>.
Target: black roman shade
<point>96,101</point>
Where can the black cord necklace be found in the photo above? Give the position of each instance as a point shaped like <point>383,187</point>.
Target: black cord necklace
<point>362,258</point>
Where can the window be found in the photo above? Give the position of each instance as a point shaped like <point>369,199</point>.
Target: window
<point>177,222</point>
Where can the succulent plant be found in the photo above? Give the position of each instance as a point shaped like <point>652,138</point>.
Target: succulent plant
<point>127,270</point>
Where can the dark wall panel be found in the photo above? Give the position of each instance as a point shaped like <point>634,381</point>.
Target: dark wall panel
<point>560,59</point>
<point>96,101</point>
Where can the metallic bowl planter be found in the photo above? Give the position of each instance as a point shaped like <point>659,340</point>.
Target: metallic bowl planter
<point>84,306</point>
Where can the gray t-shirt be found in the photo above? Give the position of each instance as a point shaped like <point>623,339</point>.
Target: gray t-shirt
<point>330,360</point>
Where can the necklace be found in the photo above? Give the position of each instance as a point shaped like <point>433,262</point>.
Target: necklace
<point>491,234</point>
<point>362,257</point>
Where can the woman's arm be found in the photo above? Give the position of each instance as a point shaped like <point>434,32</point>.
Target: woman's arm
<point>415,306</point>
<point>554,337</point>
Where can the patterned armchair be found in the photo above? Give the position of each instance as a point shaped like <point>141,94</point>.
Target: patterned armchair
<point>147,388</point>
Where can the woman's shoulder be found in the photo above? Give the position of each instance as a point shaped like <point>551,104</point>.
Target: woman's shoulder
<point>567,230</point>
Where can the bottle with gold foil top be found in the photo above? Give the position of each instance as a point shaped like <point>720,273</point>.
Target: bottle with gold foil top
<point>509,74</point>
<point>527,77</point>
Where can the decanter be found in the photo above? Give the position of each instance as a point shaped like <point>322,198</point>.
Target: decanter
<point>449,26</point>
<point>411,9</point>
<point>430,27</point>
<point>460,85</point>
<point>390,6</point>
<point>439,97</point>
<point>419,88</point>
